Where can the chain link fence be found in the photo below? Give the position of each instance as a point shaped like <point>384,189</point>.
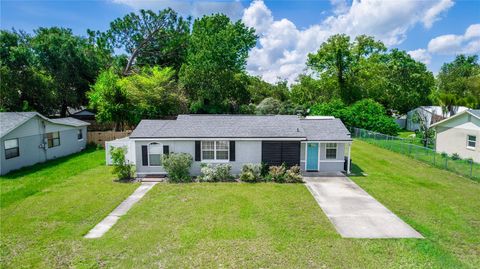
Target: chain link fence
<point>466,168</point>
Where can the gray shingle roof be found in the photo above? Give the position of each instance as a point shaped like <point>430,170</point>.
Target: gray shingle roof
<point>325,129</point>
<point>70,121</point>
<point>11,120</point>
<point>475,112</point>
<point>241,126</point>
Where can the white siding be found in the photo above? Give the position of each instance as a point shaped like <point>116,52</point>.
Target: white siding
<point>452,137</point>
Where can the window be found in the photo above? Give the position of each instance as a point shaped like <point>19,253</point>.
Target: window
<point>53,139</point>
<point>331,151</point>
<point>471,141</point>
<point>155,154</point>
<point>80,134</point>
<point>215,150</point>
<point>11,148</point>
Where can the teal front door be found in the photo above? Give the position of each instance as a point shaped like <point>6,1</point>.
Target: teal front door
<point>312,157</point>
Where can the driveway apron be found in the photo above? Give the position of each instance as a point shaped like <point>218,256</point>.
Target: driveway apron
<point>353,212</point>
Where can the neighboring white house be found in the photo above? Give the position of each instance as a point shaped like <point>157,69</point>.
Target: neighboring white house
<point>316,144</point>
<point>460,134</point>
<point>28,138</point>
<point>432,114</point>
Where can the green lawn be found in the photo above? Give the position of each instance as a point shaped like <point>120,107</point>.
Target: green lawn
<point>235,225</point>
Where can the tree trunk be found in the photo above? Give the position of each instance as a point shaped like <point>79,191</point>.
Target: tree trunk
<point>63,110</point>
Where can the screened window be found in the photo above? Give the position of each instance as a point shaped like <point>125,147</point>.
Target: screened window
<point>471,141</point>
<point>53,139</point>
<point>80,134</point>
<point>11,148</point>
<point>155,154</point>
<point>215,150</point>
<point>331,151</point>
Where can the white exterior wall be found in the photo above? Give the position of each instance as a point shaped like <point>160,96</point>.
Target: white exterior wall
<point>325,165</point>
<point>245,152</point>
<point>123,142</point>
<point>30,137</point>
<point>452,137</point>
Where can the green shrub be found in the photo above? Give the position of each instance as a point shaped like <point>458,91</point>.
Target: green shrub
<point>178,166</point>
<point>211,172</point>
<point>121,167</point>
<point>444,155</point>
<point>223,172</point>
<point>455,157</point>
<point>277,173</point>
<point>293,175</point>
<point>251,173</point>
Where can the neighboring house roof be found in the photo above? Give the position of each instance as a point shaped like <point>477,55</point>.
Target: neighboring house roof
<point>9,121</point>
<point>84,112</point>
<point>70,121</point>
<point>473,112</point>
<point>437,110</point>
<point>242,126</point>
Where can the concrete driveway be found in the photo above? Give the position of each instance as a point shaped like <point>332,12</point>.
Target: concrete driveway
<point>353,212</point>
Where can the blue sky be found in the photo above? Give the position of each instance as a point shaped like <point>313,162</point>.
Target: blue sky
<point>431,31</point>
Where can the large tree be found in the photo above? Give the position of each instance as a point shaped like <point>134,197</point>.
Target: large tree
<point>72,61</point>
<point>213,73</point>
<point>458,83</point>
<point>340,60</point>
<point>23,84</point>
<point>397,81</point>
<point>111,101</point>
<point>155,93</point>
<point>149,38</point>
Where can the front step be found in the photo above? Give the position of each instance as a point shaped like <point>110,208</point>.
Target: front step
<point>153,179</point>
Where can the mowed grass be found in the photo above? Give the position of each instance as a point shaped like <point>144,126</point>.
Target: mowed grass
<point>237,225</point>
<point>47,208</point>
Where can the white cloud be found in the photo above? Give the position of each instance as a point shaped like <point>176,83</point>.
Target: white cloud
<point>258,16</point>
<point>435,11</point>
<point>468,43</point>
<point>421,55</point>
<point>283,47</point>
<point>339,6</point>
<point>233,9</point>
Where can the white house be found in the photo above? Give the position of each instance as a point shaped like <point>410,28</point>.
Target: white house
<point>316,144</point>
<point>28,138</point>
<point>460,134</point>
<point>432,114</point>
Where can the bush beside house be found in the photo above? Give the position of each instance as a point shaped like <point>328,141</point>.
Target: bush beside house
<point>121,166</point>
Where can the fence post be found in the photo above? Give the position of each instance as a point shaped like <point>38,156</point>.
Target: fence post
<point>434,155</point>
<point>446,163</point>
<point>471,168</point>
<point>409,149</point>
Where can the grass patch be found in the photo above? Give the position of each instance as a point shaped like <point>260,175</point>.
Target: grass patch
<point>242,225</point>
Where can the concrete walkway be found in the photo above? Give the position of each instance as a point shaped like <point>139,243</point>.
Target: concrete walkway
<point>353,212</point>
<point>101,228</point>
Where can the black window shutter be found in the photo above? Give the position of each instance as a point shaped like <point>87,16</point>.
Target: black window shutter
<point>144,155</point>
<point>166,150</point>
<point>232,151</point>
<point>197,151</point>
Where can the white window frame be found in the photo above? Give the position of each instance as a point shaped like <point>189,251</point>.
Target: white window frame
<point>17,147</point>
<point>53,139</point>
<point>161,153</point>
<point>330,146</point>
<point>80,132</point>
<point>215,151</point>
<point>474,141</point>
